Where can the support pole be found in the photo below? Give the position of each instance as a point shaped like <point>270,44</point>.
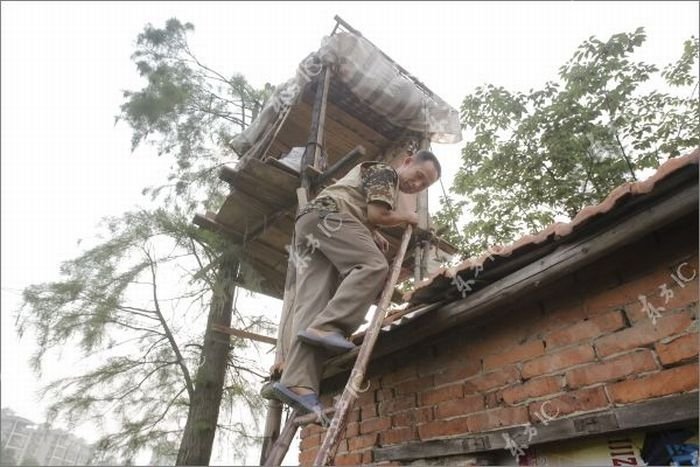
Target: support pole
<point>420,269</point>
<point>312,156</point>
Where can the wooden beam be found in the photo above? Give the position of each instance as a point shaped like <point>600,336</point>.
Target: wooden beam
<point>667,411</point>
<point>345,162</point>
<point>312,155</point>
<point>245,334</point>
<point>313,417</point>
<point>563,261</point>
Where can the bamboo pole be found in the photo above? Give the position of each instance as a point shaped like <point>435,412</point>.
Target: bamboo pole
<point>421,258</point>
<point>357,375</point>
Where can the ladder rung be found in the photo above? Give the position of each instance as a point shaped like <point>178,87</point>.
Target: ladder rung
<point>313,417</point>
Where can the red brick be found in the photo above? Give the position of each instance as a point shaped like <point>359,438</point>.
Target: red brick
<point>398,435</point>
<point>354,415</point>
<point>312,429</point>
<point>442,428</point>
<point>611,369</point>
<point>455,407</point>
<point>626,293</point>
<point>495,418</point>
<point>412,417</point>
<point>375,424</point>
<point>367,457</point>
<point>682,295</point>
<point>413,386</point>
<point>400,374</point>
<point>558,360</point>
<point>583,400</point>
<point>496,339</point>
<point>493,399</point>
<point>678,349</point>
<point>433,396</point>
<point>348,459</point>
<point>453,374</point>
<point>368,411</point>
<point>310,441</point>
<point>584,330</point>
<point>642,333</point>
<point>352,429</point>
<point>482,383</point>
<point>638,315</point>
<point>534,388</point>
<point>342,445</point>
<point>363,441</point>
<point>520,353</point>
<point>390,407</point>
<point>672,381</point>
<point>685,296</point>
<point>383,394</point>
<point>562,312</point>
<point>368,397</point>
<point>307,457</point>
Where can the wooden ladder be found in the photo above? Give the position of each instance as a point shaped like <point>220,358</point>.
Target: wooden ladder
<point>346,401</point>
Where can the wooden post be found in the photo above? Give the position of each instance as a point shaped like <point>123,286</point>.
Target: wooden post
<point>312,156</point>
<point>420,269</point>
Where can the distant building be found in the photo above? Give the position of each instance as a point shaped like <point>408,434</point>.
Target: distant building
<point>28,441</point>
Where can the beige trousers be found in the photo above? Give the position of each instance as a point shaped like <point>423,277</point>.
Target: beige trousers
<point>339,273</point>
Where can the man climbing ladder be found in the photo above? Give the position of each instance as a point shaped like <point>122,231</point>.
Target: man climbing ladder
<point>341,267</point>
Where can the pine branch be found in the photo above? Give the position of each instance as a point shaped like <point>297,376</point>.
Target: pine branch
<point>171,339</point>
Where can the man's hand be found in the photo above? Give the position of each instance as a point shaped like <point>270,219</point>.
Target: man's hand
<point>381,242</point>
<point>380,214</point>
<point>412,218</point>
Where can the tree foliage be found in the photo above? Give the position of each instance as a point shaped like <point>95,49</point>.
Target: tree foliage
<point>187,110</point>
<point>139,336</point>
<point>136,304</point>
<point>542,156</point>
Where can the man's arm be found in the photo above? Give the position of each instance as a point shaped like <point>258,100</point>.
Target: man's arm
<point>379,213</point>
<point>379,182</point>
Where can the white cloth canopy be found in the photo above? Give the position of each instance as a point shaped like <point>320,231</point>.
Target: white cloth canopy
<point>371,77</point>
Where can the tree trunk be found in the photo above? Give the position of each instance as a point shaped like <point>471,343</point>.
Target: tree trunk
<point>198,437</point>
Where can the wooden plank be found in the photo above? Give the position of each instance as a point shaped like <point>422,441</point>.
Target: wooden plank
<point>341,167</point>
<point>244,334</point>
<point>269,184</point>
<point>563,261</point>
<point>667,411</point>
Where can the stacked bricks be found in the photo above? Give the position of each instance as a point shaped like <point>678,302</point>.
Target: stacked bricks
<point>585,346</point>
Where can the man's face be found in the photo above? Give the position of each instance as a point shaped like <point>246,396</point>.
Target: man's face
<point>415,176</point>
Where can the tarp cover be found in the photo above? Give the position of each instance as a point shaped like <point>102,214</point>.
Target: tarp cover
<point>372,78</point>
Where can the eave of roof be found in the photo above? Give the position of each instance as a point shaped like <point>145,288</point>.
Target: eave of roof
<point>556,232</point>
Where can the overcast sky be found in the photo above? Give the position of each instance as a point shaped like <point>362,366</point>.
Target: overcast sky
<point>64,65</point>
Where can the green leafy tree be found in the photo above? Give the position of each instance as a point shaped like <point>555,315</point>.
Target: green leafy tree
<point>130,301</point>
<point>542,156</point>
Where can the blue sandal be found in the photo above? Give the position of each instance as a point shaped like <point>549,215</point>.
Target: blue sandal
<point>308,403</point>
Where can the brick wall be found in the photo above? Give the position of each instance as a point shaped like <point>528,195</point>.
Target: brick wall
<point>582,345</point>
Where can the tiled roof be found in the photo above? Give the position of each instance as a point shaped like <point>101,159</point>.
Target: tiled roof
<point>434,288</point>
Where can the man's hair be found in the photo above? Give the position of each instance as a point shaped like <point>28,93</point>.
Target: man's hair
<point>424,155</point>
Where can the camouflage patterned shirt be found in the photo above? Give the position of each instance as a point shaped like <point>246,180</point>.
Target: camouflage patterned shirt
<point>378,184</point>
